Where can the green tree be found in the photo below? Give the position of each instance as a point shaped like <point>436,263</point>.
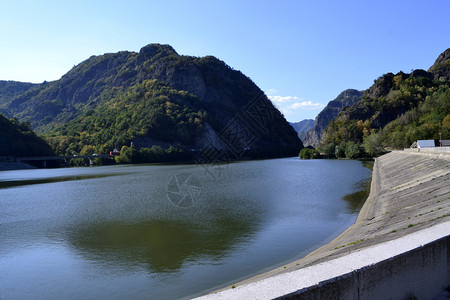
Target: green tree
<point>340,150</point>
<point>307,153</point>
<point>372,144</point>
<point>87,150</point>
<point>127,155</point>
<point>352,150</point>
<point>329,150</point>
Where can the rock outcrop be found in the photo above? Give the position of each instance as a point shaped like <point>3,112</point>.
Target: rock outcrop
<point>345,99</point>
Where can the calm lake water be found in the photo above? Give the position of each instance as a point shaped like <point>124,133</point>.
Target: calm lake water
<point>166,231</point>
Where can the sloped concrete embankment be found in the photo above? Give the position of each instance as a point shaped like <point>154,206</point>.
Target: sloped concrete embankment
<point>398,247</point>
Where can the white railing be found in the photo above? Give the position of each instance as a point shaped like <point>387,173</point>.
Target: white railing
<point>428,149</point>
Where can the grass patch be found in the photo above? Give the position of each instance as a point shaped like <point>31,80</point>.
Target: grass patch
<point>443,216</point>
<point>349,244</point>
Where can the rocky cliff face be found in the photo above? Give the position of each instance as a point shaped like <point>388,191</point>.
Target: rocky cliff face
<point>227,104</point>
<point>382,102</point>
<point>345,99</point>
<point>441,68</point>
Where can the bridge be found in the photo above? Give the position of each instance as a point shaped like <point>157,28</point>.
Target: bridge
<point>45,159</point>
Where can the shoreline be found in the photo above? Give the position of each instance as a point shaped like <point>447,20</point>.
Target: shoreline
<point>408,193</point>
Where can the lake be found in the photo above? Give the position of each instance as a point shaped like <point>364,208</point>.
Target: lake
<point>167,231</point>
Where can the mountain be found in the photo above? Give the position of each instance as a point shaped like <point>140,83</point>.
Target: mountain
<point>155,98</point>
<point>11,89</point>
<point>302,127</point>
<point>17,139</point>
<point>330,112</point>
<point>440,68</point>
<point>396,110</point>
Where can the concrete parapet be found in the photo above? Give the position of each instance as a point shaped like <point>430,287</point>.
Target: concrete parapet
<point>415,265</point>
<point>422,272</point>
<point>429,149</point>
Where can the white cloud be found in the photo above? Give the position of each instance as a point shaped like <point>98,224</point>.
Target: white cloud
<point>289,103</point>
<point>293,106</point>
<point>271,91</point>
<point>306,105</point>
<point>284,99</point>
<point>285,111</point>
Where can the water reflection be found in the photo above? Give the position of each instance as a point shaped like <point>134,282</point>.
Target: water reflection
<point>356,200</point>
<point>162,246</point>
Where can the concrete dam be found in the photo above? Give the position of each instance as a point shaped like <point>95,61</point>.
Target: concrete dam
<point>398,248</point>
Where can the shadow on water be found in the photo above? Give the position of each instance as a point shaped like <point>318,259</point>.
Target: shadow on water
<point>16,183</point>
<point>356,200</point>
<point>160,246</point>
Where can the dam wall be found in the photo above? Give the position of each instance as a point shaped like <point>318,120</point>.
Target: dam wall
<point>422,272</point>
<point>399,247</point>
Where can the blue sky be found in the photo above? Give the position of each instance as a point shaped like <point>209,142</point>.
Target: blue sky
<point>301,53</point>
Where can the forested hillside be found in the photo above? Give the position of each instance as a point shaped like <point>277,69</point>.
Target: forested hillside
<point>11,89</point>
<point>155,98</point>
<point>397,110</point>
<point>17,139</point>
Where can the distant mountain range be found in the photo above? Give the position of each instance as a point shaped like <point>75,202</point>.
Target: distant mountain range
<point>152,98</point>
<point>330,112</point>
<point>302,127</point>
